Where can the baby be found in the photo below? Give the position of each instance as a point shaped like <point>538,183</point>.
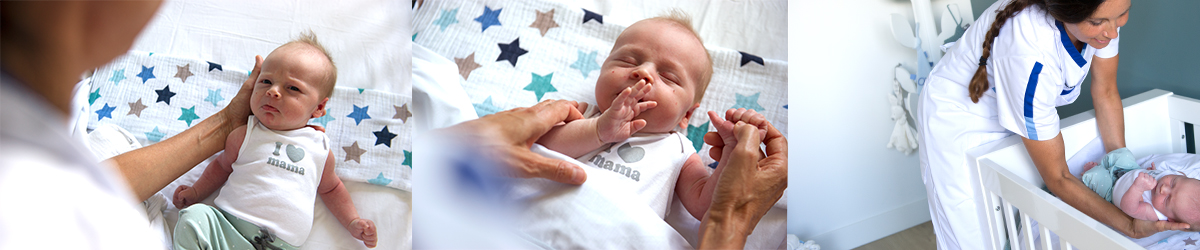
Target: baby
<point>1146,193</point>
<point>273,167</point>
<point>652,80</point>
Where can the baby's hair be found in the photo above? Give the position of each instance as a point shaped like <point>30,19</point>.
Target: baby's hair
<point>680,18</point>
<point>310,39</point>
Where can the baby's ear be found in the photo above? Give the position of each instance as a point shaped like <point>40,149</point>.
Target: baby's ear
<point>688,116</point>
<point>320,108</point>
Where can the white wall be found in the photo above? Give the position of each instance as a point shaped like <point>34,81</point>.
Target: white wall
<point>847,187</point>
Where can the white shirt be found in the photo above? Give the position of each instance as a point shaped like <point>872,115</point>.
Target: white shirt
<point>1033,68</point>
<point>53,193</point>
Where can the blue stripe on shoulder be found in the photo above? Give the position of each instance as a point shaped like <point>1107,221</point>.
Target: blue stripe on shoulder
<point>1030,89</point>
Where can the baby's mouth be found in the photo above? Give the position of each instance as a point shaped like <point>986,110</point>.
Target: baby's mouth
<point>268,107</point>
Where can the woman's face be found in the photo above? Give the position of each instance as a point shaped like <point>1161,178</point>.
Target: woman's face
<point>1100,28</point>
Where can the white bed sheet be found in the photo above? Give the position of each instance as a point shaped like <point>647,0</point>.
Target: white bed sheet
<point>370,43</point>
<point>757,27</point>
<point>368,40</point>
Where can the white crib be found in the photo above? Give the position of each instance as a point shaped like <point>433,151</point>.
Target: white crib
<point>1156,122</point>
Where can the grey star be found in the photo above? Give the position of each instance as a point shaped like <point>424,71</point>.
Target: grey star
<point>135,108</point>
<point>545,21</point>
<point>466,65</point>
<point>353,152</point>
<point>184,72</point>
<point>402,112</point>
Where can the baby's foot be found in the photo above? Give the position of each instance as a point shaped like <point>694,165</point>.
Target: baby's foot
<point>617,123</point>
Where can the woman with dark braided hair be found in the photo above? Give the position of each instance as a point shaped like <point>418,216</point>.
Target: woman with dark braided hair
<point>1006,75</point>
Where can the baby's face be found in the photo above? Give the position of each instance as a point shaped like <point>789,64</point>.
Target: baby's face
<point>1176,196</point>
<point>669,58</point>
<point>288,91</point>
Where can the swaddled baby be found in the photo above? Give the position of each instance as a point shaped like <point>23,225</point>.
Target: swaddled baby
<point>1145,193</point>
<point>273,168</point>
<point>652,80</point>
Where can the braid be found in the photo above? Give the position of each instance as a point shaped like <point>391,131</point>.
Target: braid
<point>979,83</point>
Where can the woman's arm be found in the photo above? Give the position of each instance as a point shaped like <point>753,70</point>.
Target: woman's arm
<point>151,168</point>
<point>1051,163</point>
<point>1110,114</point>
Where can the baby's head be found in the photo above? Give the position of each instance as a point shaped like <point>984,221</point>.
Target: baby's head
<point>296,80</point>
<point>1178,197</point>
<point>669,55</point>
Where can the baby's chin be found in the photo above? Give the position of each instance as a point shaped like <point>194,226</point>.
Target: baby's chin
<point>273,122</point>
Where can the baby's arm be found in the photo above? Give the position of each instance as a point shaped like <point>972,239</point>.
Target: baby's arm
<point>695,186</point>
<point>616,124</point>
<point>337,199</point>
<point>215,174</point>
<point>1132,203</point>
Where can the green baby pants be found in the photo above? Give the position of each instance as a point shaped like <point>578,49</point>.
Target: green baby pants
<point>205,227</point>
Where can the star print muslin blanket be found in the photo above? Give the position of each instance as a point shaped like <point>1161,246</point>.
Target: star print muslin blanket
<point>516,53</point>
<point>155,96</point>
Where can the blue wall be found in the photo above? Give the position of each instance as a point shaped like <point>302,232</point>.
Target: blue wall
<point>1158,50</point>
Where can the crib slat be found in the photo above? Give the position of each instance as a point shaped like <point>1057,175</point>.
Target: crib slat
<point>1027,228</point>
<point>1010,224</point>
<point>1065,245</point>
<point>1047,242</point>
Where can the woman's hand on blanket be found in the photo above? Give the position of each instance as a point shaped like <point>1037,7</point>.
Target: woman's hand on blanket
<point>618,123</point>
<point>748,186</point>
<point>185,196</point>
<point>238,109</point>
<point>364,230</point>
<point>507,136</point>
<point>1145,228</point>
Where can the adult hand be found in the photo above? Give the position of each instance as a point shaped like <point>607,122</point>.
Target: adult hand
<point>747,188</point>
<point>238,109</point>
<point>1145,228</point>
<point>507,136</point>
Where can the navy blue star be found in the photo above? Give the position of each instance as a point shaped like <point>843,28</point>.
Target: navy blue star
<point>212,65</point>
<point>713,165</point>
<point>589,15</point>
<point>511,51</point>
<point>164,95</point>
<point>490,17</point>
<point>384,137</point>
<point>747,58</point>
<point>359,114</point>
<point>105,111</point>
<point>147,73</point>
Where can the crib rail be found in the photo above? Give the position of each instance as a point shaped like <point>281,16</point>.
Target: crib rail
<point>1008,194</point>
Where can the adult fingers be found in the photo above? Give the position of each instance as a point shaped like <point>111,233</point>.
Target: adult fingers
<point>776,143</point>
<point>714,139</point>
<point>747,140</point>
<point>534,165</point>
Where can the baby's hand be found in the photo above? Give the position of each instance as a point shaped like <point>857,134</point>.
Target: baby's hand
<point>617,123</point>
<point>725,126</point>
<point>1144,181</point>
<point>364,230</point>
<point>185,196</point>
<point>1089,165</point>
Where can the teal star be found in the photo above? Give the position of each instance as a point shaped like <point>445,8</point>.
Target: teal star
<point>360,90</point>
<point>188,115</point>
<point>586,63</point>
<point>696,134</point>
<point>748,102</point>
<point>448,18</point>
<point>117,76</point>
<point>380,180</point>
<point>407,159</point>
<point>414,36</point>
<point>541,85</point>
<point>324,120</point>
<point>93,96</point>
<point>485,107</point>
<point>214,96</point>
<point>154,135</point>
<point>105,111</point>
